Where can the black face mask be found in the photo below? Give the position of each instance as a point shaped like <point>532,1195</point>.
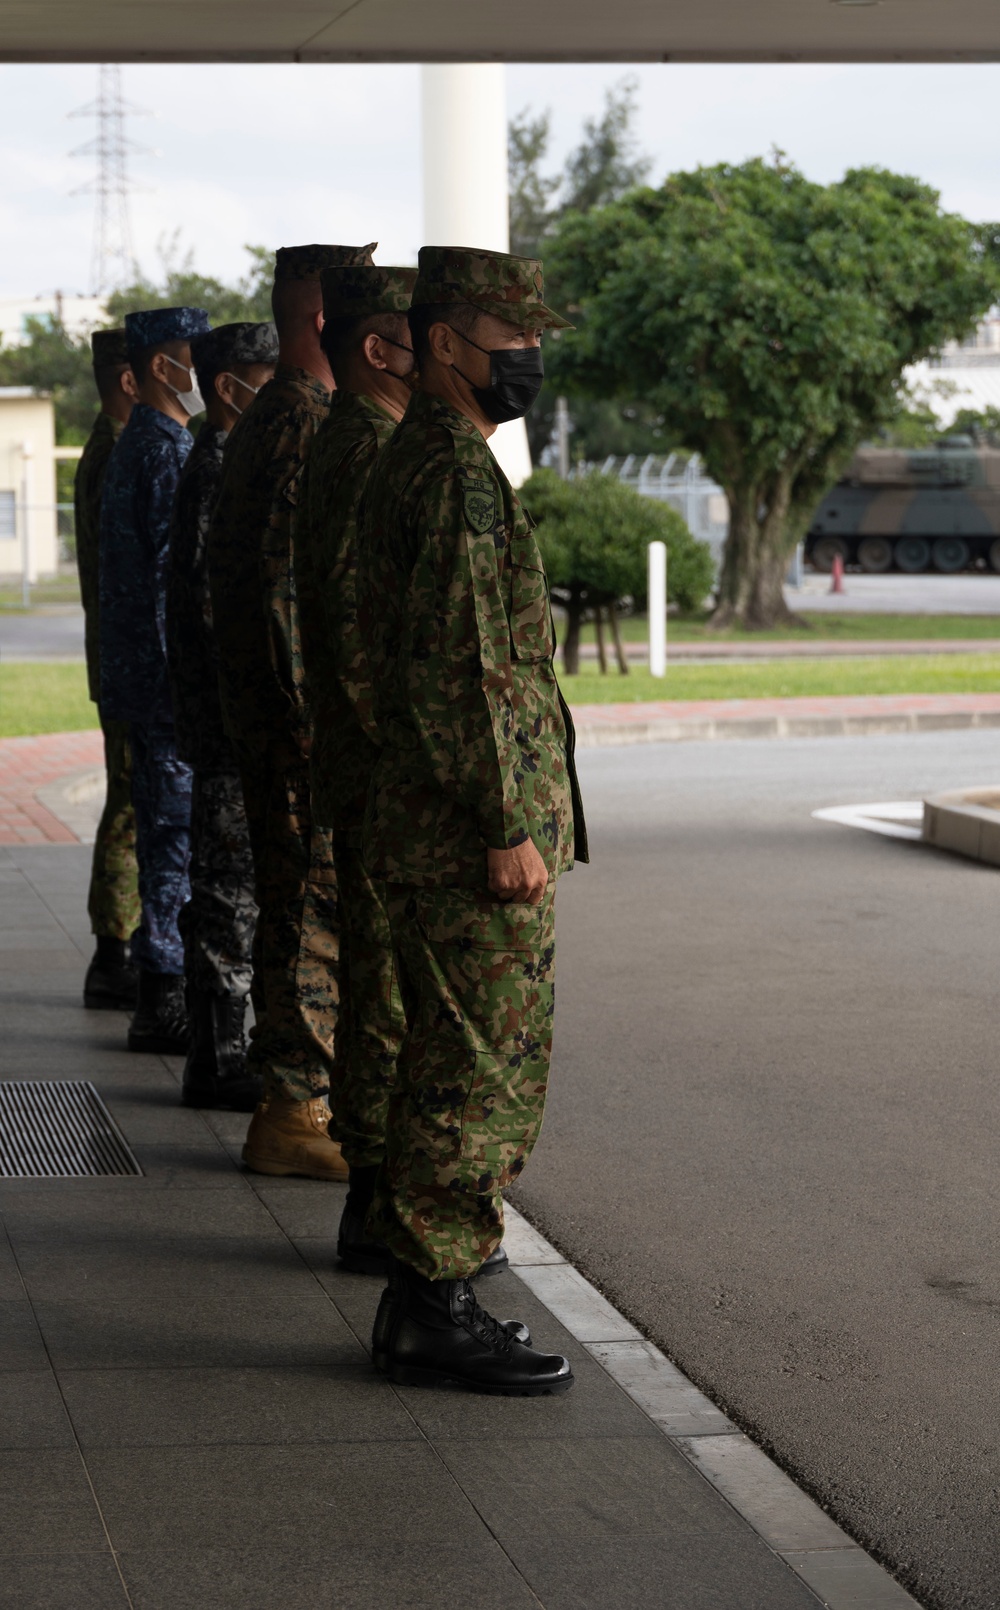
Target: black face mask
<point>411,379</point>
<point>516,375</point>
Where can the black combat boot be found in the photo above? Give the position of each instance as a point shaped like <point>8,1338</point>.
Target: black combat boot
<point>363,1256</point>
<point>111,980</point>
<point>161,1021</point>
<point>433,1332</point>
<point>216,1073</point>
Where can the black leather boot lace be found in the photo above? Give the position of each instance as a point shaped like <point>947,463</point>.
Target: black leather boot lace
<point>483,1326</point>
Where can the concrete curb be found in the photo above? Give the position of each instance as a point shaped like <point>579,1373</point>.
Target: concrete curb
<point>966,822</point>
<point>76,801</point>
<point>831,1564</point>
<point>693,729</point>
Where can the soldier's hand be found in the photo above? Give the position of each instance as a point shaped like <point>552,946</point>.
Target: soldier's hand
<point>517,876</point>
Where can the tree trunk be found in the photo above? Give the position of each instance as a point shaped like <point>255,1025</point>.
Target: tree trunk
<point>616,634</point>
<point>571,647</point>
<point>602,656</point>
<point>762,534</point>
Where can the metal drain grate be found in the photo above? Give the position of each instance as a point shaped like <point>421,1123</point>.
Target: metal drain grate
<point>58,1129</point>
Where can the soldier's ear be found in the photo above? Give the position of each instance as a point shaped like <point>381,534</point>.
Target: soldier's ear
<point>129,385</point>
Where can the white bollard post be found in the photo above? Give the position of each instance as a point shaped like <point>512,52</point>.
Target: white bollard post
<point>658,609</point>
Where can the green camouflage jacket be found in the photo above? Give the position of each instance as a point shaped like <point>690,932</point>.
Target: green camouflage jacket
<point>477,741</point>
<point>251,569</point>
<point>325,541</point>
<point>87,508</point>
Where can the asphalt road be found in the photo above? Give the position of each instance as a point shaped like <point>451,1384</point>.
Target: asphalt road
<point>41,635</point>
<point>772,1132</point>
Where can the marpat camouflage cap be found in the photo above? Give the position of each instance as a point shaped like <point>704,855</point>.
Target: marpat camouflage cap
<point>107,347</point>
<point>234,343</point>
<point>510,287</point>
<point>305,262</point>
<point>357,293</point>
<point>161,324</point>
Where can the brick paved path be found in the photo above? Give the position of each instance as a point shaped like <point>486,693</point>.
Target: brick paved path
<point>27,764</point>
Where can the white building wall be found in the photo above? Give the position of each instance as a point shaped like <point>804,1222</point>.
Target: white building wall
<point>80,314</point>
<point>27,484</point>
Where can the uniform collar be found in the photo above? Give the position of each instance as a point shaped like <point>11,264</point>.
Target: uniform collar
<point>289,374</point>
<point>145,418</point>
<point>434,410</point>
<point>359,402</point>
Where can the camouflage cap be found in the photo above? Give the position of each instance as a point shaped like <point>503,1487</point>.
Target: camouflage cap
<point>356,293</point>
<point>234,343</point>
<point>510,287</point>
<point>108,347</point>
<point>305,262</point>
<point>161,324</point>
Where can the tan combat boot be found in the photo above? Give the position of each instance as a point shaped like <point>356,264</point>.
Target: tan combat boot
<point>290,1137</point>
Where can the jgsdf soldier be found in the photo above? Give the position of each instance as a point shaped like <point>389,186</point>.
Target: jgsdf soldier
<point>367,341</point>
<point>263,701</point>
<point>473,813</point>
<point>232,363</point>
<point>139,491</point>
<point>113,902</point>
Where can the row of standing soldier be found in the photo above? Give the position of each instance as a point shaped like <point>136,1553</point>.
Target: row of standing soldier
<point>322,647</point>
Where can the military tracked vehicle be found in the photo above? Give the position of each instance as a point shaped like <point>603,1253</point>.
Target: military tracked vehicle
<point>933,508</point>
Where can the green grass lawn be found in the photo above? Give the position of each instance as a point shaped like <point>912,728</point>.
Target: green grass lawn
<point>62,589</point>
<point>44,698</point>
<point>905,673</point>
<point>53,698</point>
<point>834,628</point>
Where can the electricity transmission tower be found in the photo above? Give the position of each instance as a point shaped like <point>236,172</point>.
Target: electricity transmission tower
<point>112,260</point>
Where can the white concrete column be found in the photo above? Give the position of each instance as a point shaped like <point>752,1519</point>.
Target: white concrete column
<point>465,187</point>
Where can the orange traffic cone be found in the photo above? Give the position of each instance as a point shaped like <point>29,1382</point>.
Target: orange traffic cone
<point>837,583</point>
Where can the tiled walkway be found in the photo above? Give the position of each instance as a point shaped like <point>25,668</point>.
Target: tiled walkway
<point>189,1416</point>
<point>28,764</point>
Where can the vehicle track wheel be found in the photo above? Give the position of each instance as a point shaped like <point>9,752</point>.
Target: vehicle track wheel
<point>825,551</point>
<point>950,554</point>
<point>912,554</point>
<point>875,554</point>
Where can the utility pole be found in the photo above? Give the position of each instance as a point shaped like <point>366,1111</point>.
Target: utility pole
<point>112,260</point>
<point>562,436</point>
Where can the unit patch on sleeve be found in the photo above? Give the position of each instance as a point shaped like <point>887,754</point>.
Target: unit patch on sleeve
<point>480,502</point>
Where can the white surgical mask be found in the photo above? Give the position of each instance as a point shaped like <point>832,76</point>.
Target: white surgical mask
<point>191,400</point>
<point>246,386</point>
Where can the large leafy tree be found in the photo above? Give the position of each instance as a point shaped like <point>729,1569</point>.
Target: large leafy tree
<point>601,168</point>
<point>594,533</point>
<point>768,319</point>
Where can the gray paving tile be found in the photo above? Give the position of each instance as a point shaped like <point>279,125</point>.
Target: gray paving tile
<point>303,1208</point>
<point>227,1333</point>
<point>163,1408</point>
<point>169,1271</point>
<point>851,1580</point>
<point>61,1582</point>
<point>562,1489</point>
<point>675,1570</point>
<point>156,1116</point>
<point>45,1500</point>
<point>31,1411</point>
<point>72,1211</point>
<point>21,1345</point>
<point>316,1499</point>
<point>11,1284</point>
<point>387,1576</point>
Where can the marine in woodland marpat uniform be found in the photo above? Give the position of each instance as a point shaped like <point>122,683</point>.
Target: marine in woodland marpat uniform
<point>266,714</point>
<point>232,363</point>
<point>473,814</point>
<point>139,489</point>
<point>367,341</point>
<point>113,901</point>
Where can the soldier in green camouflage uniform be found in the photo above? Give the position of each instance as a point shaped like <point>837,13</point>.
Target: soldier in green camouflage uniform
<point>473,814</point>
<point>255,614</point>
<point>366,338</point>
<point>113,902</point>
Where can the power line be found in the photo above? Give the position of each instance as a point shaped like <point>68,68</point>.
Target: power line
<point>112,261</point>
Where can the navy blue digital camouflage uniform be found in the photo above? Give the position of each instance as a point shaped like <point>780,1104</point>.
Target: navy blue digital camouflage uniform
<point>218,922</point>
<point>139,488</point>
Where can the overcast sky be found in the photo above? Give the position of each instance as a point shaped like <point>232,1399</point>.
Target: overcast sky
<point>280,154</point>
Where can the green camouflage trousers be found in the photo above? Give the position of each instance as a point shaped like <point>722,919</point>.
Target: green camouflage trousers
<point>296,945</point>
<point>371,1023</point>
<point>113,902</point>
<point>477,984</point>
<point>217,924</point>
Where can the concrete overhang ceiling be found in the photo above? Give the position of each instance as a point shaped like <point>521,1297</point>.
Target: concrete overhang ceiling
<point>499,30</point>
